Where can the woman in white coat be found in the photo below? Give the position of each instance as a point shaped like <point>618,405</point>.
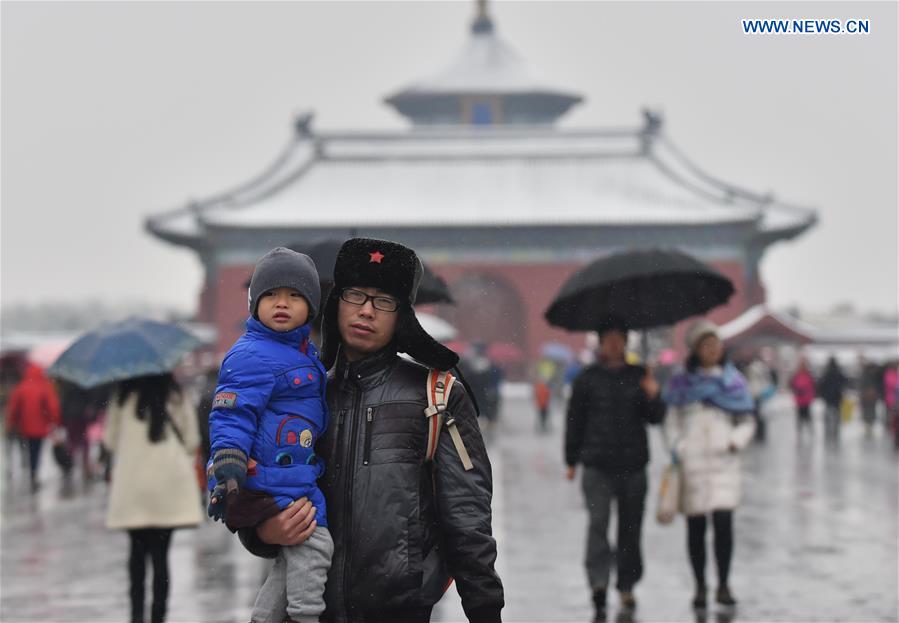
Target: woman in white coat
<point>708,423</point>
<point>152,431</point>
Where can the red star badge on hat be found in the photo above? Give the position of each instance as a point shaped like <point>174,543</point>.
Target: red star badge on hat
<point>376,257</point>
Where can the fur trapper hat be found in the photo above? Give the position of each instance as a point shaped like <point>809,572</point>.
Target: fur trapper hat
<point>395,270</point>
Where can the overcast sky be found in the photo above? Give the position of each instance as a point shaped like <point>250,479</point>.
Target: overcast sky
<point>113,111</point>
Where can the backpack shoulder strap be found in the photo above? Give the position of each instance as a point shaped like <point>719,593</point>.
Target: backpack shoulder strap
<point>439,386</point>
<point>437,396</point>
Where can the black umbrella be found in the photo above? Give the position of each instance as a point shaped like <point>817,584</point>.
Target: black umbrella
<point>646,288</point>
<point>432,289</point>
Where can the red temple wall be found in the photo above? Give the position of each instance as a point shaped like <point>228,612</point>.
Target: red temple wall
<point>533,285</point>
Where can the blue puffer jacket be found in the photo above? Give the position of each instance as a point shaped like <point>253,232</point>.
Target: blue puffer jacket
<point>270,404</point>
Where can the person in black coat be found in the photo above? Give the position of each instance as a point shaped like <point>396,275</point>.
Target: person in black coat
<point>402,525</point>
<point>611,404</point>
<point>483,378</point>
<point>831,387</point>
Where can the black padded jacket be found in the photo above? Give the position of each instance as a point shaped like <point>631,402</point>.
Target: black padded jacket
<point>401,526</point>
<point>607,417</point>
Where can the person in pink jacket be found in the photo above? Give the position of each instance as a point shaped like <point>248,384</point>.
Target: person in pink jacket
<point>891,398</point>
<point>802,384</point>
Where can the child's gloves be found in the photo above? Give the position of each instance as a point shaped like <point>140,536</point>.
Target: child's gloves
<point>230,469</point>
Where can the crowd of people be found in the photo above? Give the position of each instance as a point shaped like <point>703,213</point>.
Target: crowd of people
<point>314,474</point>
<point>312,468</point>
<point>875,394</point>
<point>710,412</point>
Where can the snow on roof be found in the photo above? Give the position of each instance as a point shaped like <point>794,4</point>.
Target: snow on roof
<point>179,226</point>
<point>755,315</point>
<point>480,191</point>
<point>820,330</point>
<point>779,219</point>
<point>473,142</point>
<point>852,329</point>
<point>486,65</point>
<point>185,226</point>
<point>481,177</point>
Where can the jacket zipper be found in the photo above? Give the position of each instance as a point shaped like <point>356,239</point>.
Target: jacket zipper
<point>366,453</point>
<point>334,456</point>
<point>348,497</point>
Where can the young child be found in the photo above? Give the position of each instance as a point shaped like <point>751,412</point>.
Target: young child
<point>268,412</point>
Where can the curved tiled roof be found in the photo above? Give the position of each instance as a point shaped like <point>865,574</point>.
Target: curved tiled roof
<point>496,176</point>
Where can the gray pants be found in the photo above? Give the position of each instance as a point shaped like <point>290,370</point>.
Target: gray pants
<point>295,586</point>
<point>629,489</point>
<point>832,421</point>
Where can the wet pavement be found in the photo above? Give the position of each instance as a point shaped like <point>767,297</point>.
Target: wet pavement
<point>816,540</point>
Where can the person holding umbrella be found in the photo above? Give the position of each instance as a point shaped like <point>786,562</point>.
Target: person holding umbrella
<point>709,422</point>
<point>151,434</point>
<point>611,404</point>
<point>642,288</point>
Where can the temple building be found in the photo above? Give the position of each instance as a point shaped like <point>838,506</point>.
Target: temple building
<point>495,197</point>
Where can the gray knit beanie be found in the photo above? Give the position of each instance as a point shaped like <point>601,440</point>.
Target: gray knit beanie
<point>285,268</point>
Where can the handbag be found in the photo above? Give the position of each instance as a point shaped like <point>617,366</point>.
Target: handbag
<point>61,453</point>
<point>847,409</point>
<point>63,457</point>
<point>669,502</point>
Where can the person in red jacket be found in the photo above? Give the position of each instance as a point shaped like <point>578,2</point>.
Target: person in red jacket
<point>33,413</point>
<point>542,395</point>
<point>803,387</point>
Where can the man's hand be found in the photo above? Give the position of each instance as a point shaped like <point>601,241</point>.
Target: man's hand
<point>649,384</point>
<point>569,473</point>
<point>291,526</point>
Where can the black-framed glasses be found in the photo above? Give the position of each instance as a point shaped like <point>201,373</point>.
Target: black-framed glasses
<point>358,297</point>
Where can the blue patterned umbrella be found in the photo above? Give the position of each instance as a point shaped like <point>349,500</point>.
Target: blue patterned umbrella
<point>123,350</point>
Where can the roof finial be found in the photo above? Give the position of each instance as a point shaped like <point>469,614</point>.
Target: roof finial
<point>482,23</point>
<point>652,121</point>
<point>302,123</point>
<point>652,127</point>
